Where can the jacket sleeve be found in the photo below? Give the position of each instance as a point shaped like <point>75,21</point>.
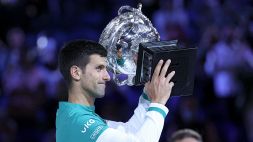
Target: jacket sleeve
<point>149,130</point>
<point>134,123</point>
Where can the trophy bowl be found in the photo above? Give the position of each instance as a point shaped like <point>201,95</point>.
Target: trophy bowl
<point>121,37</point>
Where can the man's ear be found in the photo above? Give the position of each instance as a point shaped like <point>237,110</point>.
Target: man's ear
<point>75,72</point>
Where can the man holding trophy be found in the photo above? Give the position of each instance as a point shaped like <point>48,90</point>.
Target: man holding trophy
<point>84,63</point>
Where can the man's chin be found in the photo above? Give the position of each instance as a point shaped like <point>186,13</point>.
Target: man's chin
<point>100,95</point>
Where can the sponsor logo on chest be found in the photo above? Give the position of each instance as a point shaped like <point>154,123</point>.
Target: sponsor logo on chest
<point>87,125</point>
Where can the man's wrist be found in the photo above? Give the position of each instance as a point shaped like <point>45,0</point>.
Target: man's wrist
<point>159,102</point>
<point>145,96</point>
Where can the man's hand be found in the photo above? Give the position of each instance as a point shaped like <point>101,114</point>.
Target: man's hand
<point>159,88</point>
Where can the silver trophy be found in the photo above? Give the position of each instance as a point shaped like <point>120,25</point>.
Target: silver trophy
<point>121,37</point>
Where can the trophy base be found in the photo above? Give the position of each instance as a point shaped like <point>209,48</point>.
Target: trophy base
<point>183,62</point>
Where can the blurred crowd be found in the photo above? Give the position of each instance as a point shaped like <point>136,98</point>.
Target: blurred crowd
<point>33,31</point>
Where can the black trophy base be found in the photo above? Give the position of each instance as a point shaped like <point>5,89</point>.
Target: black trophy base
<point>183,62</point>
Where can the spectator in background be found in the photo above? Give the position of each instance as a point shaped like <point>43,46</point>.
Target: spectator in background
<point>225,59</point>
<point>171,20</point>
<point>186,135</point>
<point>16,44</point>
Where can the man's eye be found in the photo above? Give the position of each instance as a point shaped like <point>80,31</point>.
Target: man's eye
<point>99,68</point>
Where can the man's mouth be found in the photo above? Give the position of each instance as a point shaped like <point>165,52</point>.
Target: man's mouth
<point>102,83</point>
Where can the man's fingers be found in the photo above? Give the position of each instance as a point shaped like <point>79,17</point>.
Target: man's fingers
<point>165,68</point>
<point>157,69</point>
<point>170,75</point>
<point>171,84</point>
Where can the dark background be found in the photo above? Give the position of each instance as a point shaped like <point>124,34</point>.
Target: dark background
<point>33,31</point>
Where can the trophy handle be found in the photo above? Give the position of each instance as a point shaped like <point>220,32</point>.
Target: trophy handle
<point>129,8</point>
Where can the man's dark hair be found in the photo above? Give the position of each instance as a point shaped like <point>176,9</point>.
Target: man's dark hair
<point>118,47</point>
<point>77,52</point>
<point>185,133</point>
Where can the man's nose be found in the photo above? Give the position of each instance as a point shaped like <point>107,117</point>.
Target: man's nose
<point>107,76</point>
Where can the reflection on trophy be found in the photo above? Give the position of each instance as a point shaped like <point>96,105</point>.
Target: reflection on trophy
<point>120,60</point>
<point>134,49</point>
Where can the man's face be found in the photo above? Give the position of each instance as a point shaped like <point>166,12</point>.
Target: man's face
<point>95,76</point>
